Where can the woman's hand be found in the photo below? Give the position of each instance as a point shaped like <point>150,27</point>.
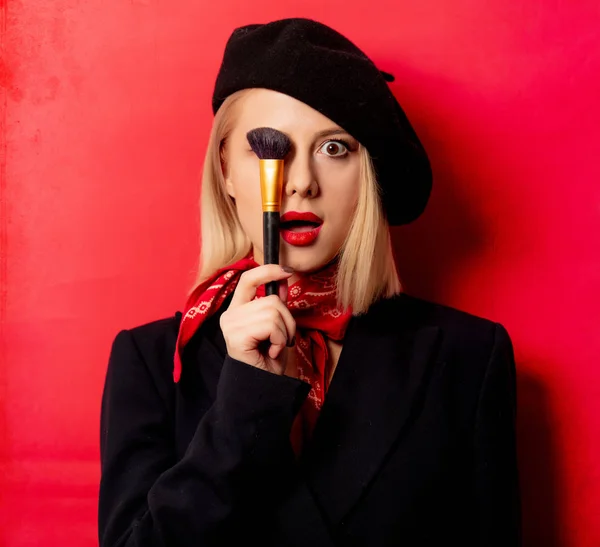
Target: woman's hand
<point>257,331</point>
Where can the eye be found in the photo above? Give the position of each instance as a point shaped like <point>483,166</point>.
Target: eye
<point>335,148</point>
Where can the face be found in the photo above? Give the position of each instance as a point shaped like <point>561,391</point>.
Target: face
<point>321,175</point>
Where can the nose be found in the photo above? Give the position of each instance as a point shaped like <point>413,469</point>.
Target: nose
<point>299,176</point>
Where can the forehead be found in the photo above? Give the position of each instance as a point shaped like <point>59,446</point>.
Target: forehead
<point>267,108</point>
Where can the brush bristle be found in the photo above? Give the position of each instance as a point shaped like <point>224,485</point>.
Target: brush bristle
<point>268,143</point>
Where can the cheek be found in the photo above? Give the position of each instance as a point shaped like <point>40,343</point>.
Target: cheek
<point>342,191</point>
<point>245,178</point>
<point>248,200</point>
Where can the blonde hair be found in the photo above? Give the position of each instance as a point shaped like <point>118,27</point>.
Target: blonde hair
<point>367,271</point>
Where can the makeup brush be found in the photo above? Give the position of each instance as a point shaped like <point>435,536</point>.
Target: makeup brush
<point>271,146</point>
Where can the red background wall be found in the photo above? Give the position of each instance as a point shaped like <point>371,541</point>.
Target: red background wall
<point>105,116</point>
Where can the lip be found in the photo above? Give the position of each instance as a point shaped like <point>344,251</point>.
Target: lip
<point>297,215</point>
<point>300,239</point>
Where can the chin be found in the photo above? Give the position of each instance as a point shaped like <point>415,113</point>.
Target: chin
<point>306,259</point>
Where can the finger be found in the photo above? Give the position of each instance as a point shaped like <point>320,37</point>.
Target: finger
<point>259,317</point>
<point>288,320</point>
<point>266,324</point>
<point>281,324</point>
<point>250,280</point>
<point>278,341</point>
<point>284,317</point>
<point>275,350</point>
<point>278,337</point>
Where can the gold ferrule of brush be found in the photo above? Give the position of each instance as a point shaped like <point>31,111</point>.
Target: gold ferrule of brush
<point>271,184</point>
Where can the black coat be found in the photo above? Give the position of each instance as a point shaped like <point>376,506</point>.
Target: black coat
<point>414,446</point>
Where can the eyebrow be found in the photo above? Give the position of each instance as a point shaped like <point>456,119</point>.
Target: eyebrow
<point>332,131</point>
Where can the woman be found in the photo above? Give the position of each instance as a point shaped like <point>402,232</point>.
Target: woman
<point>341,411</point>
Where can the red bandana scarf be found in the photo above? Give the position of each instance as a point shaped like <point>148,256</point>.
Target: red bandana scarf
<point>312,302</point>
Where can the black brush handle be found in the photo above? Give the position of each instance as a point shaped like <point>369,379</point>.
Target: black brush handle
<point>271,246</point>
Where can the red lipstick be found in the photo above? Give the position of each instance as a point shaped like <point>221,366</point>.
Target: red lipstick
<point>300,229</point>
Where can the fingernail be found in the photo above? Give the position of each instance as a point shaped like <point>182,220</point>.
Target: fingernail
<point>287,269</point>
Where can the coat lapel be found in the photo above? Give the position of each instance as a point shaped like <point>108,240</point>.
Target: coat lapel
<point>380,376</point>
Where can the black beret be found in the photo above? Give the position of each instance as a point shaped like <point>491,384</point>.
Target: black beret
<point>319,66</point>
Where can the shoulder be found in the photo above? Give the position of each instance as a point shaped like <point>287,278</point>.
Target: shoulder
<point>465,339</point>
<point>475,354</point>
<point>156,335</point>
<point>414,313</point>
<point>147,351</point>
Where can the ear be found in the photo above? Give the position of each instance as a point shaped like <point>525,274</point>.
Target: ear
<point>224,169</point>
<point>229,187</point>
